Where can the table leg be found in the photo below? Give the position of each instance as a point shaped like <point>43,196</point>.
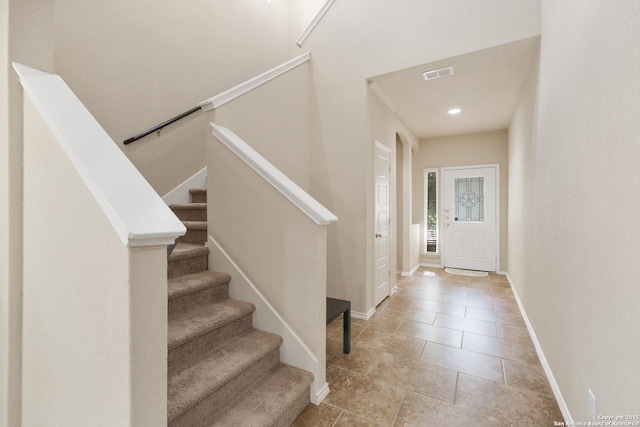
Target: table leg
<point>346,338</point>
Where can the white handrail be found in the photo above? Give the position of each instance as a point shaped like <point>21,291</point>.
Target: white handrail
<point>231,94</point>
<point>314,22</point>
<point>135,210</point>
<point>300,198</point>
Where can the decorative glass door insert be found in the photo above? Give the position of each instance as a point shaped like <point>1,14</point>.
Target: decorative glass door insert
<point>469,199</point>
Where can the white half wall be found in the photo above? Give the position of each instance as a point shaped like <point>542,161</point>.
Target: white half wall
<point>293,350</point>
<point>94,311</point>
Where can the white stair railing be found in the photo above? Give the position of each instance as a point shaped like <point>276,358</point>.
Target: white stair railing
<point>253,83</point>
<point>272,235</point>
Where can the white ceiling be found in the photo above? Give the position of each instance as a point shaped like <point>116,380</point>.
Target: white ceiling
<point>486,85</point>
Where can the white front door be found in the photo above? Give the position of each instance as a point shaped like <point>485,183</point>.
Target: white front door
<point>382,221</point>
<point>470,220</point>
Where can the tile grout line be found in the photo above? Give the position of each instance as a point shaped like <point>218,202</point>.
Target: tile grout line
<point>424,347</point>
<point>395,417</point>
<point>339,416</point>
<point>504,370</point>
<point>455,389</point>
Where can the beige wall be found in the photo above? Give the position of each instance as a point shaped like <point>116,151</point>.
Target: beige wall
<point>26,36</point>
<point>388,129</point>
<point>7,307</point>
<point>274,120</point>
<point>136,64</point>
<point>574,158</point>
<point>340,156</point>
<point>94,332</point>
<point>462,150</point>
<point>398,214</point>
<point>522,159</point>
<point>384,36</point>
<point>302,13</point>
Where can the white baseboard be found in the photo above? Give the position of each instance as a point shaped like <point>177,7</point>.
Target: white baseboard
<point>543,360</point>
<point>180,194</point>
<point>363,316</point>
<point>321,394</point>
<point>425,264</point>
<point>410,273</point>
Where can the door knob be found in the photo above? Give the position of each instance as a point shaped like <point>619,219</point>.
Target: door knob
<point>378,235</point>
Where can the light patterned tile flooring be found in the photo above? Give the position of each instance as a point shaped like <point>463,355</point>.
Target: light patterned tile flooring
<point>446,350</point>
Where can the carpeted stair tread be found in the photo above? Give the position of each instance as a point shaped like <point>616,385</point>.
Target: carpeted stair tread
<point>187,250</point>
<point>189,206</point>
<point>195,225</point>
<point>201,320</point>
<point>273,401</point>
<point>196,233</point>
<point>191,283</point>
<point>227,362</point>
<point>190,211</point>
<point>198,195</point>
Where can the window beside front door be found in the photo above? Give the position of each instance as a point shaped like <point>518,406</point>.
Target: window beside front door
<point>431,211</point>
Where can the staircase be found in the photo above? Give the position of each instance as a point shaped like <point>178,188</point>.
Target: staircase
<point>221,371</point>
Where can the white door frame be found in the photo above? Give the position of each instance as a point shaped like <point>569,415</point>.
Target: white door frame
<point>406,196</point>
<point>496,166</point>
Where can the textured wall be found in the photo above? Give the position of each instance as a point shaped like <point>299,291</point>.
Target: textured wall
<point>574,254</point>
<point>26,36</point>
<point>94,334</point>
<point>274,120</point>
<point>136,64</point>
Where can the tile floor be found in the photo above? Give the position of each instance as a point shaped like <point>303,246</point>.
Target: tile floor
<point>446,350</point>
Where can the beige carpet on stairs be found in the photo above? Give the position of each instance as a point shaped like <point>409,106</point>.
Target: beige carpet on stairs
<point>221,370</point>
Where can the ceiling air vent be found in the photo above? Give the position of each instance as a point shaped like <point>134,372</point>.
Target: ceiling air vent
<point>436,74</point>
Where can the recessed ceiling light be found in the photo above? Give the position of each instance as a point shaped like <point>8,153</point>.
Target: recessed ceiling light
<point>436,74</point>
<point>454,111</point>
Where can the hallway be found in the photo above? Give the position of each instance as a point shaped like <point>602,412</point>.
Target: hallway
<point>446,350</point>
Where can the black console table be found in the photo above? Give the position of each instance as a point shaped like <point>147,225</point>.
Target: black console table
<point>336,307</point>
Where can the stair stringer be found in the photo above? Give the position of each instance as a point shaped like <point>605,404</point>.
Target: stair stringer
<point>293,350</point>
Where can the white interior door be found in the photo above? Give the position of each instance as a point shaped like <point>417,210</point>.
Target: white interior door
<point>382,222</point>
<point>470,220</point>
